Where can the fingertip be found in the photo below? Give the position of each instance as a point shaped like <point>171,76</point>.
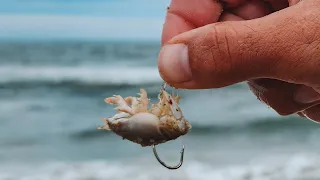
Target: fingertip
<point>173,63</point>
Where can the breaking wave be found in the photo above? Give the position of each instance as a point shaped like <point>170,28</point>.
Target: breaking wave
<point>82,76</point>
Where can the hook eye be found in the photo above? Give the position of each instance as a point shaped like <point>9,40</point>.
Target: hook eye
<point>163,164</point>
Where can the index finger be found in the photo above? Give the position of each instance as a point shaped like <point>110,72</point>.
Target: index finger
<point>185,15</point>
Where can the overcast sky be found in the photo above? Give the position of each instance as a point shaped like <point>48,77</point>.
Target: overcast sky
<point>82,19</point>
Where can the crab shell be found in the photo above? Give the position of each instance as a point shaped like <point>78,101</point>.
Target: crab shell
<point>162,123</point>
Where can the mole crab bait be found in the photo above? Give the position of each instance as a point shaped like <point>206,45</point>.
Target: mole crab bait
<point>138,123</point>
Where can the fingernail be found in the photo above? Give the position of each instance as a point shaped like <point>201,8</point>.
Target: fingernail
<point>306,95</point>
<point>174,63</point>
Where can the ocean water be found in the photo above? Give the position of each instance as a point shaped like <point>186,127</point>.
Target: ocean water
<point>52,100</point>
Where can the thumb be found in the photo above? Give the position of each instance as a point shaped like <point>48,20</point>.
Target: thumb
<point>226,53</point>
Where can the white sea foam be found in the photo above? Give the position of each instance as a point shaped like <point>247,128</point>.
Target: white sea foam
<point>104,75</point>
<point>298,167</point>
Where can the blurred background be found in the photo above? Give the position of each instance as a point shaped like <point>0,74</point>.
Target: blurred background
<point>59,60</point>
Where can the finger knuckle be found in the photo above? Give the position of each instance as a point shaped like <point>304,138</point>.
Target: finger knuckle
<point>277,95</point>
<point>217,43</point>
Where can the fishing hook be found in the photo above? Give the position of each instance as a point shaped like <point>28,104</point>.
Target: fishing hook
<point>163,164</point>
<point>156,154</point>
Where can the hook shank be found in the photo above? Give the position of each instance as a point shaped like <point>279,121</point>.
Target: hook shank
<point>163,164</point>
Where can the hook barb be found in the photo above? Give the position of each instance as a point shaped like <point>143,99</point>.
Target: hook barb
<point>163,164</point>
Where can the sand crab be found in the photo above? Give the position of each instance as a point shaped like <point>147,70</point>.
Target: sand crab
<point>145,125</point>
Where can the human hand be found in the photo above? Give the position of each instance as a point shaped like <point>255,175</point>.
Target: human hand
<point>207,45</point>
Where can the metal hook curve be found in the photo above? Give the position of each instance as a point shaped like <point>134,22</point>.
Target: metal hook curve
<point>163,164</point>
